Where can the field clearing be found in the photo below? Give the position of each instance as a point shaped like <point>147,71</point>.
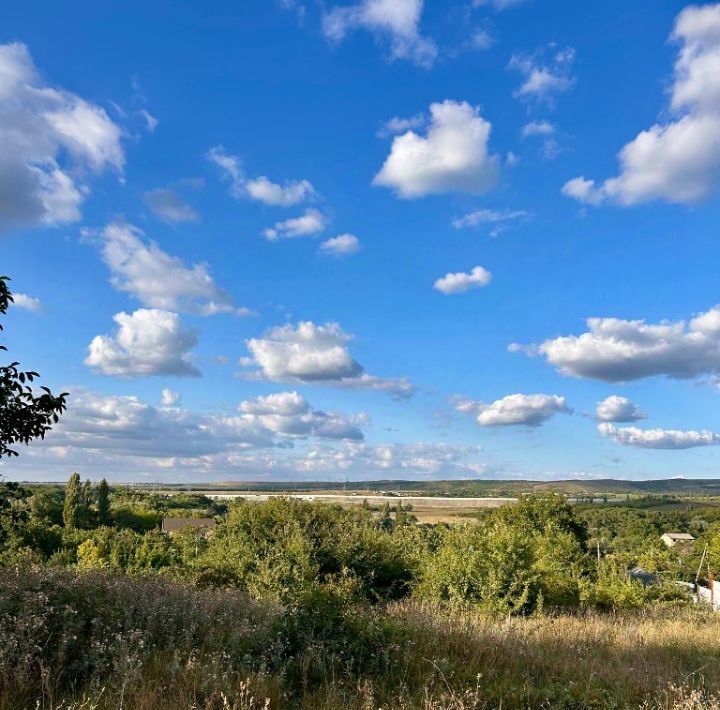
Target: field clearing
<point>427,509</point>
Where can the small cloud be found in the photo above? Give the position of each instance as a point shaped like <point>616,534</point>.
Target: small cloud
<point>397,125</point>
<point>498,218</point>
<point>618,409</point>
<point>169,398</point>
<point>28,303</point>
<point>481,40</point>
<point>460,282</point>
<point>546,73</point>
<point>262,189</point>
<point>312,222</point>
<point>151,123</point>
<point>537,128</point>
<point>342,245</point>
<point>395,21</point>
<point>166,204</point>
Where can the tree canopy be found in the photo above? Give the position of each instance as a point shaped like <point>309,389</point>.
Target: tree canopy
<point>24,415</point>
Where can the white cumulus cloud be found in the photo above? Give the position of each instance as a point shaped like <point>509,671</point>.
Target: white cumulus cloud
<point>28,303</point>
<point>52,141</point>
<point>169,398</point>
<point>158,279</point>
<point>453,156</point>
<point>515,409</point>
<point>342,245</point>
<point>147,342</point>
<point>262,189</point>
<point>618,409</point>
<point>616,350</point>
<point>537,128</point>
<point>288,414</point>
<point>315,354</point>
<point>460,282</point>
<point>676,160</point>
<point>309,223</point>
<point>395,21</point>
<point>658,438</point>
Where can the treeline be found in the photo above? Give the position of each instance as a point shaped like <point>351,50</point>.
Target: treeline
<point>541,553</point>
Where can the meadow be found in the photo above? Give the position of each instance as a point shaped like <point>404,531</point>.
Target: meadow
<point>297,604</point>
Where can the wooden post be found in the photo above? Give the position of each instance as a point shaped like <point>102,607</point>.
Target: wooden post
<point>711,579</point>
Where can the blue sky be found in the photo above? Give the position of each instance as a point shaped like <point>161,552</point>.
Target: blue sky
<point>364,239</point>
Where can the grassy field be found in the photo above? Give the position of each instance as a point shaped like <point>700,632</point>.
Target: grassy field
<point>671,486</point>
<point>96,641</point>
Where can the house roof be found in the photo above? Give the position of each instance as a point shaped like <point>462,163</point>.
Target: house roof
<point>175,524</point>
<point>679,536</point>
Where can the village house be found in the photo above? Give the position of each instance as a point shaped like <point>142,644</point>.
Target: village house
<point>671,539</point>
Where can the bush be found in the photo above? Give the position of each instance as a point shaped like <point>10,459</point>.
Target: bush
<point>284,548</point>
<point>514,561</point>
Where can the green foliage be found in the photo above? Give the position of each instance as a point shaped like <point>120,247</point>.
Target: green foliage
<point>283,548</point>
<point>125,550</point>
<point>103,503</point>
<point>46,507</point>
<point>613,589</point>
<point>24,416</point>
<point>72,513</point>
<point>515,560</point>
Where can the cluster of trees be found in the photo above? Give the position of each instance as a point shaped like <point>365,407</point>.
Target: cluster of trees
<point>539,553</point>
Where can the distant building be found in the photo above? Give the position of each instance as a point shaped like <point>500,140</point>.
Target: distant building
<point>675,538</point>
<point>173,525</point>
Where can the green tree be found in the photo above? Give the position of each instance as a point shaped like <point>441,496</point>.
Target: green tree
<point>103,503</point>
<point>24,416</point>
<point>72,509</point>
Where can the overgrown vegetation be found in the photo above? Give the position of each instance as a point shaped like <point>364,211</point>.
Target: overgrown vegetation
<point>313,605</point>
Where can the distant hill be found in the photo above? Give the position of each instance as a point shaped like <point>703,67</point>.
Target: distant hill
<point>605,486</point>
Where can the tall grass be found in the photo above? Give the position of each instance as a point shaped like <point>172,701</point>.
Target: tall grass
<point>96,641</point>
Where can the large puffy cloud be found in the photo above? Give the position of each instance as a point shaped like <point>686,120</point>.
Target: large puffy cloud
<point>460,281</point>
<point>288,414</point>
<point>315,354</point>
<point>618,409</point>
<point>126,428</point>
<point>159,280</point>
<point>615,350</point>
<point>50,138</point>
<point>677,160</point>
<point>452,157</point>
<point>262,189</point>
<point>515,409</point>
<point>397,21</point>
<point>658,438</point>
<point>147,342</point>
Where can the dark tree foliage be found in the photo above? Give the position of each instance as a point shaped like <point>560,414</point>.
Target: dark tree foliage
<point>72,510</point>
<point>24,416</point>
<point>103,503</point>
